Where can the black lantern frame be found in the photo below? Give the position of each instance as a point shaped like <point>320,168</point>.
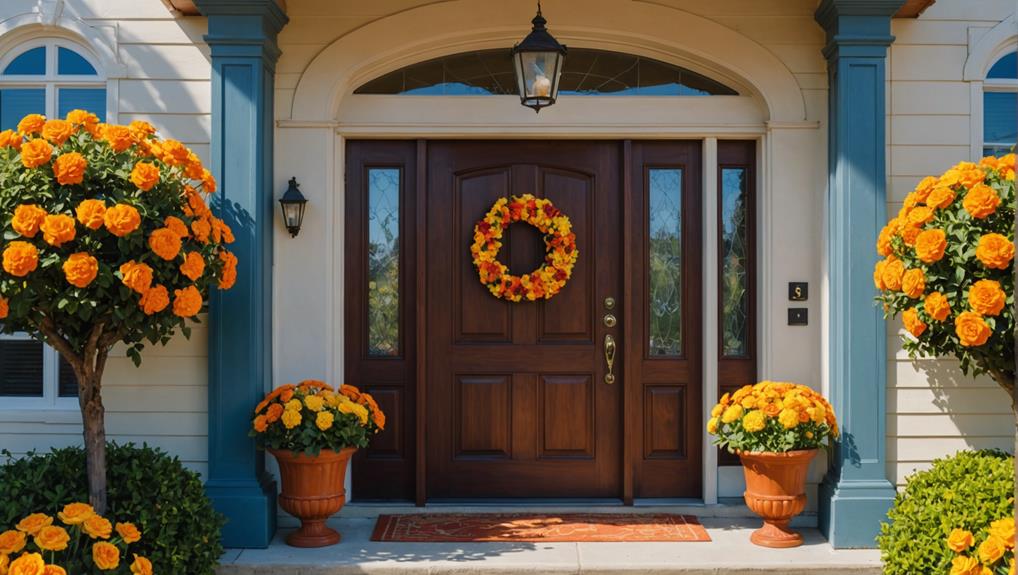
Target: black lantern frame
<point>292,204</point>
<point>538,61</point>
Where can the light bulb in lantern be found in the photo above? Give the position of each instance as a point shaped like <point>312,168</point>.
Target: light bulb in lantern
<point>542,86</point>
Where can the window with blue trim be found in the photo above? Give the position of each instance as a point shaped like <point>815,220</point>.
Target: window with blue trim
<point>49,77</point>
<point>1000,106</point>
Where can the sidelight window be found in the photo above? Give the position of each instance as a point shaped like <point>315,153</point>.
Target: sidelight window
<point>665,266</point>
<point>383,261</point>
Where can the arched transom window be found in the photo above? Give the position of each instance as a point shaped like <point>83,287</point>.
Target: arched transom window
<point>1000,106</point>
<point>50,77</point>
<point>586,72</point>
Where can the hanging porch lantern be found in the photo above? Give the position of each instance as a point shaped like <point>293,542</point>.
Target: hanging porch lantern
<point>538,60</point>
<point>293,203</point>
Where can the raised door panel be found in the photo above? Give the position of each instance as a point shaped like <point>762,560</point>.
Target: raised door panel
<point>482,426</point>
<point>664,420</point>
<point>567,416</point>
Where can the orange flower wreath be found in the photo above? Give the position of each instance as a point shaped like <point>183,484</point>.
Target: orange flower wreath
<point>559,239</point>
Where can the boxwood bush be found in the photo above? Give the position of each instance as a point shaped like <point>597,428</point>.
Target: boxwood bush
<point>180,529</point>
<point>967,490</point>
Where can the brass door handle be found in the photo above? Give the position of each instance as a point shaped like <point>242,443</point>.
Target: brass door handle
<point>609,358</point>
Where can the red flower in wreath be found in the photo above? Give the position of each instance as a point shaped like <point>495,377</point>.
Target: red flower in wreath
<point>559,240</point>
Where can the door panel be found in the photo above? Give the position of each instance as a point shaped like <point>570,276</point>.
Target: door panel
<point>533,416</point>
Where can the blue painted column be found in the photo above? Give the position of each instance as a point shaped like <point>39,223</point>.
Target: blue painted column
<point>242,36</point>
<point>855,495</point>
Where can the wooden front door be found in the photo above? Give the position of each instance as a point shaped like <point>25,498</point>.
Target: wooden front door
<point>517,404</point>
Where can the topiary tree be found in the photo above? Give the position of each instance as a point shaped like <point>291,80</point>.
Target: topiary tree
<point>106,239</point>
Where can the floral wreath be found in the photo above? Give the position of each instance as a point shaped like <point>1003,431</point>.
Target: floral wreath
<point>559,240</point>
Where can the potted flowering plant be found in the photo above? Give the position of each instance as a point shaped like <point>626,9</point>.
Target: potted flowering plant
<point>313,430</point>
<point>82,541</point>
<point>776,429</point>
<point>994,554</point>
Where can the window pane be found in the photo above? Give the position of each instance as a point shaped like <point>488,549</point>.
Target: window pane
<point>735,262</point>
<point>1000,119</point>
<point>70,63</point>
<point>91,99</point>
<point>383,261</point>
<point>1006,67</point>
<point>665,229</point>
<point>20,368</point>
<point>31,63</point>
<point>16,103</point>
<point>67,382</point>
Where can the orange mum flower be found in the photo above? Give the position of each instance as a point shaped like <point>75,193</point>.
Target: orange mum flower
<point>165,243</point>
<point>20,259</point>
<point>228,277</point>
<point>80,269</point>
<point>972,331</point>
<point>136,276</point>
<point>986,297</point>
<point>122,219</point>
<point>995,251</point>
<point>27,219</point>
<point>274,413</point>
<point>193,266</point>
<point>118,137</point>
<point>32,124</point>
<point>260,424</point>
<point>141,129</point>
<point>91,213</point>
<point>208,183</point>
<point>940,197</point>
<point>87,120</point>
<point>36,153</point>
<point>57,131</point>
<point>937,306</point>
<point>177,225</point>
<point>5,307</point>
<point>893,274</point>
<point>154,300</point>
<point>69,168</point>
<point>145,176</point>
<point>187,302</point>
<point>57,229</point>
<point>174,153</point>
<point>930,245</point>
<point>913,324</point>
<point>981,201</point>
<point>10,139</point>
<point>201,228</point>
<point>913,283</point>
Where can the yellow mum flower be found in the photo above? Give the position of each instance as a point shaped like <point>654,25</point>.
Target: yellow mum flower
<point>960,540</point>
<point>324,420</point>
<point>293,405</point>
<point>712,425</point>
<point>314,403</point>
<point>291,418</point>
<point>754,421</point>
<point>788,418</point>
<point>732,414</point>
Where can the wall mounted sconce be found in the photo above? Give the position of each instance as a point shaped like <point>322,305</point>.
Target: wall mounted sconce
<point>293,203</point>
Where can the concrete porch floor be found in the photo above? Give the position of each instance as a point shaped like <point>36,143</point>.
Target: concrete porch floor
<point>729,552</point>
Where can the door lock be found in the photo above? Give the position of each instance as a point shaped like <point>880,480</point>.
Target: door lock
<point>609,320</point>
<point>609,358</point>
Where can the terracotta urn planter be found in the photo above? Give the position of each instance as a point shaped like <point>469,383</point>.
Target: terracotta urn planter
<point>313,491</point>
<point>776,491</point>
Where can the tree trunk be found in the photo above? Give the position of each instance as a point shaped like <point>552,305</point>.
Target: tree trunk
<point>93,416</point>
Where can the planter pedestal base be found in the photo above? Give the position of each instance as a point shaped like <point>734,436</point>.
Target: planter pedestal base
<point>776,535</point>
<point>776,491</point>
<point>312,491</point>
<point>313,533</point>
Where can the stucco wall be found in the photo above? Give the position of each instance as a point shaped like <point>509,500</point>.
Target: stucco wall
<point>934,410</point>
<point>163,78</point>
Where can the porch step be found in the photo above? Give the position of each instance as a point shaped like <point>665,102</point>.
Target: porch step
<point>729,553</point>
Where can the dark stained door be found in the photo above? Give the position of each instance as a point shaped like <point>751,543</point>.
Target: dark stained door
<point>517,403</point>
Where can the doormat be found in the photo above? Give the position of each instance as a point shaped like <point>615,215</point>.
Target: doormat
<point>538,528</point>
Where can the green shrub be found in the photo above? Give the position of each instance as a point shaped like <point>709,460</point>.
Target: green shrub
<point>180,529</point>
<point>967,490</point>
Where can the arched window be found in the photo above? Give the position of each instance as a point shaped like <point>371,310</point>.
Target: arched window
<point>586,72</point>
<point>1000,106</point>
<point>50,77</point>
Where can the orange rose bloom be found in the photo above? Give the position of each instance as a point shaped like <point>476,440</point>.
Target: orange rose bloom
<point>193,266</point>
<point>141,566</point>
<point>54,570</point>
<point>97,527</point>
<point>186,302</point>
<point>894,272</point>
<point>224,230</point>
<point>920,215</point>
<point>136,276</point>
<point>128,532</point>
<point>228,276</point>
<point>165,243</point>
<point>36,153</point>
<point>274,413</point>
<point>986,297</point>
<point>5,307</point>
<point>27,564</point>
<point>10,139</point>
<point>174,153</point>
<point>80,269</point>
<point>122,219</point>
<point>937,306</point>
<point>86,120</point>
<point>58,229</point>
<point>76,513</point>
<point>930,245</point>
<point>177,225</point>
<point>155,300</point>
<point>20,259</point>
<point>69,168</point>
<point>913,283</point>
<point>141,129</point>
<point>981,201</point>
<point>995,251</point>
<point>884,239</point>
<point>201,228</point>
<point>12,542</point>
<point>106,556</point>
<point>32,124</point>
<point>118,137</point>
<point>913,324</point>
<point>940,197</point>
<point>145,176</point>
<point>923,189</point>
<point>971,329</point>
<point>52,538</point>
<point>27,219</point>
<point>33,523</point>
<point>910,233</point>
<point>91,213</point>
<point>57,131</point>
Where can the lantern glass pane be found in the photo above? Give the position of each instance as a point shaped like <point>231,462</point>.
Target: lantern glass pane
<point>538,73</point>
<point>292,214</point>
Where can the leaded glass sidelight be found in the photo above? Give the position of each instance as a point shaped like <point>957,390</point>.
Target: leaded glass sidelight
<point>665,265</point>
<point>383,261</point>
<point>734,263</point>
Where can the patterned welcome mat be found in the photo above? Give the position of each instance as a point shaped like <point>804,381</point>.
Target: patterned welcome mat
<point>538,528</point>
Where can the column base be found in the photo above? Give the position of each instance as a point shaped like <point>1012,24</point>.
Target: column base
<point>851,511</point>
<point>250,510</point>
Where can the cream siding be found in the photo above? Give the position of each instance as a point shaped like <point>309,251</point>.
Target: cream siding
<point>933,410</point>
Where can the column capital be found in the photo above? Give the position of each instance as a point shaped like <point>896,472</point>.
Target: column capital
<point>857,27</point>
<point>244,28</point>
